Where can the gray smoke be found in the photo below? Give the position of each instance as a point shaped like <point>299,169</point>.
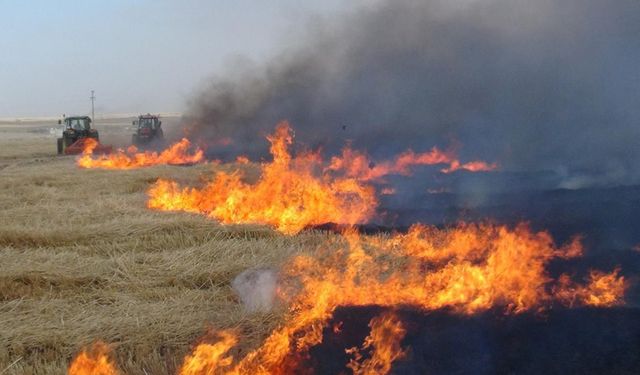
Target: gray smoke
<point>535,85</point>
<point>256,289</point>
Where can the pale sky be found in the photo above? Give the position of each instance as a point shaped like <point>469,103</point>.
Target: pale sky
<point>139,56</point>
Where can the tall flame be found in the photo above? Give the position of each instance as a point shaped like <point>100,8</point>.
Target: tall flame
<point>289,195</point>
<point>177,153</point>
<point>94,361</point>
<point>468,269</point>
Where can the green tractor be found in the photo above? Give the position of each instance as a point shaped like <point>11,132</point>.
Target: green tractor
<point>77,129</point>
<point>148,128</point>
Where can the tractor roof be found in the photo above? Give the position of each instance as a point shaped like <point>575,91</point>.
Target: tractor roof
<point>77,117</point>
<point>148,116</point>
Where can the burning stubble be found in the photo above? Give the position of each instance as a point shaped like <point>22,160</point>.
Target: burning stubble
<point>530,85</point>
<point>179,153</point>
<point>472,268</point>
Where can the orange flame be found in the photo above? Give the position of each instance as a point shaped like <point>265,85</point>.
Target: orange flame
<point>384,342</point>
<point>95,361</point>
<point>207,358</point>
<point>289,195</point>
<point>602,290</point>
<point>469,268</point>
<point>358,165</point>
<point>177,153</point>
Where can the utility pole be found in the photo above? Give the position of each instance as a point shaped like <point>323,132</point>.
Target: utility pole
<point>93,98</point>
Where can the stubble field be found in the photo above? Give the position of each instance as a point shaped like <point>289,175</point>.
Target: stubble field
<point>83,259</point>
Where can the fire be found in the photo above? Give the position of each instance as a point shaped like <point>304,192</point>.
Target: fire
<point>384,342</point>
<point>358,165</point>
<point>95,361</point>
<point>178,153</point>
<point>207,358</point>
<point>466,269</point>
<point>602,290</point>
<point>289,195</point>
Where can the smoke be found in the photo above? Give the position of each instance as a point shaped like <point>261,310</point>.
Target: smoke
<point>536,85</point>
<point>256,289</point>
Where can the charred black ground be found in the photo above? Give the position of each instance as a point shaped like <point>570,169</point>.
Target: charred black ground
<point>559,341</point>
<point>556,341</point>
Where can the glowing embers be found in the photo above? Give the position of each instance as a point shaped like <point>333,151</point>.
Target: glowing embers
<point>93,361</point>
<point>178,153</point>
<point>289,194</point>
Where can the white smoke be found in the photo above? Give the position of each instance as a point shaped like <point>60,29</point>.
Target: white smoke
<point>256,289</point>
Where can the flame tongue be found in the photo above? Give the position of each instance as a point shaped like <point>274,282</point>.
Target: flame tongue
<point>358,165</point>
<point>288,194</point>
<point>207,358</point>
<point>94,361</point>
<point>176,154</point>
<point>384,342</point>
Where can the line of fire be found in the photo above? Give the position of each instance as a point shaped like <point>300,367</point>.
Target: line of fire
<point>439,187</point>
<point>360,303</point>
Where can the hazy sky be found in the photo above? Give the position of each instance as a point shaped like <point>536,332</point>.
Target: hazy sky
<point>139,56</point>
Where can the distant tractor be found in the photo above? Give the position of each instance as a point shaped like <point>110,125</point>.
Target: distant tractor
<point>77,129</point>
<point>148,128</point>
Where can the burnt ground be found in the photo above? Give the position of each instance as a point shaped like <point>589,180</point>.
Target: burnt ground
<point>605,216</point>
<point>556,341</point>
<point>561,341</point>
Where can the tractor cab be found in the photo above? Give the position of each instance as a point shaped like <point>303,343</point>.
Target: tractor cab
<point>147,128</point>
<point>79,124</point>
<point>77,129</point>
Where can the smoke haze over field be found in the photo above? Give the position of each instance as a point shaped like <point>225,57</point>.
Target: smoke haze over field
<point>544,85</point>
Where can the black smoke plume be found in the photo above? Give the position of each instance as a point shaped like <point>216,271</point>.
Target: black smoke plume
<point>535,85</point>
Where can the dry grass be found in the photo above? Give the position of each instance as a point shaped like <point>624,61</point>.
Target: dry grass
<point>83,259</point>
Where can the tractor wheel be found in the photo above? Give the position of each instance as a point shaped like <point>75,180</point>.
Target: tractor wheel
<point>60,146</point>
